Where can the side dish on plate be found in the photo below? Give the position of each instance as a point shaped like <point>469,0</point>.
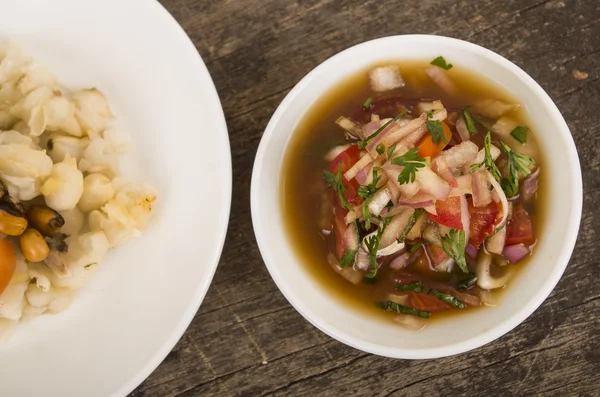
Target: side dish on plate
<point>63,202</point>
<point>413,188</point>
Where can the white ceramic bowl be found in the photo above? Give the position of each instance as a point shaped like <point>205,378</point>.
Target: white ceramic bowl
<point>459,333</point>
<point>146,292</point>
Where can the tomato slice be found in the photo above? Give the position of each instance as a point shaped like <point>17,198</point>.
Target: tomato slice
<point>437,254</point>
<point>448,213</point>
<point>8,263</point>
<point>519,229</point>
<point>483,220</point>
<point>339,227</point>
<point>347,159</point>
<point>427,148</point>
<point>426,302</point>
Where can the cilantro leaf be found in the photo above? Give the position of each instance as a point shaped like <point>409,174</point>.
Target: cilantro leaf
<point>420,287</point>
<point>517,163</point>
<point>520,133</point>
<point>390,151</point>
<point>372,244</point>
<point>441,62</point>
<point>335,182</point>
<point>411,161</point>
<point>488,160</point>
<point>436,129</point>
<point>365,191</point>
<point>454,244</point>
<point>470,122</point>
<point>468,282</point>
<point>398,308</point>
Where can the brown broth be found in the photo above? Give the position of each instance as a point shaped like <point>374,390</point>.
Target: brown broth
<point>304,195</point>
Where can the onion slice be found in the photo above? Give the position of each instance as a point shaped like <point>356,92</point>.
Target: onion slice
<point>432,183</point>
<point>485,279</point>
<point>514,253</point>
<point>465,217</point>
<point>461,128</point>
<point>481,190</point>
<point>503,200</point>
<point>412,323</point>
<point>441,78</point>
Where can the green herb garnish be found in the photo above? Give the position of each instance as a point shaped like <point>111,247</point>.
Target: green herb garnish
<point>411,161</point>
<point>516,163</point>
<point>335,182</point>
<point>415,216</point>
<point>416,247</point>
<point>436,129</point>
<point>390,151</point>
<point>454,244</point>
<point>363,144</point>
<point>520,133</point>
<point>441,62</point>
<point>364,191</point>
<point>469,122</point>
<point>372,244</point>
<point>367,103</point>
<point>488,160</point>
<point>398,308</point>
<point>420,287</point>
<point>467,282</point>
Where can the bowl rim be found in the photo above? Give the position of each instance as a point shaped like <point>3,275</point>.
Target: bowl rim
<point>505,325</point>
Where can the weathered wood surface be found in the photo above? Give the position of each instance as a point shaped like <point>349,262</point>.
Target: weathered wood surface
<point>247,340</point>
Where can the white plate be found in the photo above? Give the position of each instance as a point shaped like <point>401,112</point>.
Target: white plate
<point>139,303</point>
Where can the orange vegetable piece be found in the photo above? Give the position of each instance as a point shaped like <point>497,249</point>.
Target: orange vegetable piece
<point>8,263</point>
<point>429,149</point>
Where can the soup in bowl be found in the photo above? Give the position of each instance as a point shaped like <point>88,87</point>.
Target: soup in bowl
<point>403,185</point>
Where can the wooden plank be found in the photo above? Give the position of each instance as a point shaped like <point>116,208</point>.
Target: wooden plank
<point>256,50</point>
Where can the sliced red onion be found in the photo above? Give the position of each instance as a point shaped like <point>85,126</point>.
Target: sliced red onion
<point>464,186</point>
<point>362,260</point>
<point>407,189</point>
<point>471,251</point>
<point>425,107</point>
<point>503,127</point>
<point>514,253</point>
<point>440,166</point>
<point>419,200</point>
<point>359,165</point>
<point>461,128</point>
<point>503,200</point>
<point>432,183</point>
<point>400,261</point>
<point>361,176</point>
<point>530,185</point>
<point>461,154</point>
<point>349,273</point>
<point>481,190</point>
<point>394,190</point>
<point>440,77</point>
<point>414,137</point>
<point>494,151</point>
<point>392,137</point>
<point>385,78</point>
<point>514,198</point>
<point>325,232</point>
<point>370,128</point>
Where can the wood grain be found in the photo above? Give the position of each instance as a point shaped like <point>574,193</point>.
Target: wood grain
<point>246,340</point>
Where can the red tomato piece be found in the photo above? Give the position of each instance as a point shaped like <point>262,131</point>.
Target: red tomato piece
<point>426,302</point>
<point>347,159</point>
<point>519,229</point>
<point>437,254</point>
<point>448,213</point>
<point>483,220</point>
<point>339,227</point>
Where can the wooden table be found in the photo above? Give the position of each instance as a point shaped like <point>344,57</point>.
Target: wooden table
<point>247,340</point>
